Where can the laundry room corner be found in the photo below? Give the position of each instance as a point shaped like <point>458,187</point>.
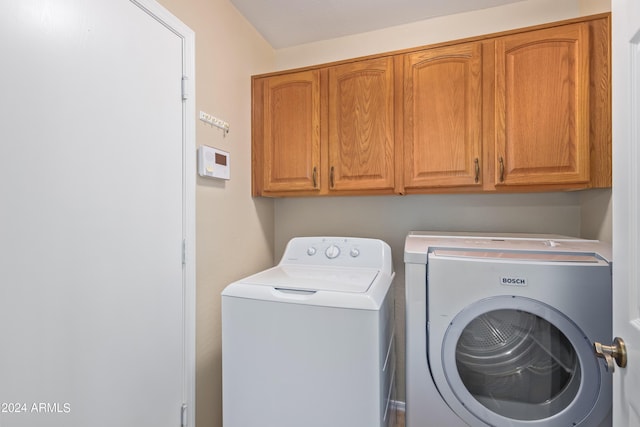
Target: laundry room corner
<point>238,235</point>
<point>392,218</point>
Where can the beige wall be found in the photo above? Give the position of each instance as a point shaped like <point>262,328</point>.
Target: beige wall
<point>234,232</point>
<point>238,235</point>
<point>515,15</point>
<point>596,215</point>
<point>584,214</point>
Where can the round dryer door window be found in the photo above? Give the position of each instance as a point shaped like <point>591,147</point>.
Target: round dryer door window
<point>511,359</point>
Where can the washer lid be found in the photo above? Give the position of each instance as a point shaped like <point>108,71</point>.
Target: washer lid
<point>310,278</point>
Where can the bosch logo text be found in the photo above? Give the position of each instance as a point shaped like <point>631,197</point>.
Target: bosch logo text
<point>513,281</point>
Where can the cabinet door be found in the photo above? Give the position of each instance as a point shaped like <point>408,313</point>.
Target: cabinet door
<point>361,126</point>
<point>542,106</point>
<point>443,117</point>
<point>291,132</point>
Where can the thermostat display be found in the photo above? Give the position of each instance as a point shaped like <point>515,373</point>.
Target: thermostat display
<point>221,159</point>
<point>213,163</point>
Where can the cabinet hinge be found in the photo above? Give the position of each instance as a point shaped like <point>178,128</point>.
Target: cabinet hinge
<point>185,94</point>
<point>183,415</point>
<point>184,252</point>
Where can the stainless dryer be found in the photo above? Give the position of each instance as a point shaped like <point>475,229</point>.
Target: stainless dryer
<point>500,330</point>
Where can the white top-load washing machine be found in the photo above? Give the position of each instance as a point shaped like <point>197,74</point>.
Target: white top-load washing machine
<point>309,342</point>
<point>500,330</point>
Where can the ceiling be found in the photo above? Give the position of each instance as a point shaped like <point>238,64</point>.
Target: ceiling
<point>285,23</point>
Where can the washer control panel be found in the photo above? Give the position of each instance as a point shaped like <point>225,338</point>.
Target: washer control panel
<point>337,251</point>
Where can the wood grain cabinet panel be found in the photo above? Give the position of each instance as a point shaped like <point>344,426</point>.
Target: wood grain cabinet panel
<point>443,117</point>
<point>291,132</point>
<point>542,106</point>
<point>361,126</point>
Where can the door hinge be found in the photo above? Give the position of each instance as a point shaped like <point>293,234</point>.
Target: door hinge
<point>183,415</point>
<point>184,252</point>
<point>185,94</point>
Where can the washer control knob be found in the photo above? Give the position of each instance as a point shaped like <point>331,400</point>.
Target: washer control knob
<point>311,251</point>
<point>354,252</point>
<point>332,252</point>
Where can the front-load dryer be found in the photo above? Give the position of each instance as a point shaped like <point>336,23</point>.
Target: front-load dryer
<point>310,342</point>
<point>500,330</point>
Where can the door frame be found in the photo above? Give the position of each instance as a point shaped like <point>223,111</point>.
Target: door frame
<point>186,34</point>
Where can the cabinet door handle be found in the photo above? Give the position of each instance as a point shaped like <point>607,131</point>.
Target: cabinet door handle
<point>314,177</point>
<point>501,160</point>
<point>477,168</point>
<point>331,177</point>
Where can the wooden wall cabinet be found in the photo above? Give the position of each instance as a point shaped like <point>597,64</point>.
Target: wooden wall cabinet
<point>443,117</point>
<point>361,121</point>
<point>524,110</point>
<point>287,122</point>
<point>527,111</point>
<point>542,107</point>
<point>552,124</point>
<point>325,131</point>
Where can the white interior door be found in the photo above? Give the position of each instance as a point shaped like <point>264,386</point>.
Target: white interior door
<point>626,206</point>
<point>95,198</point>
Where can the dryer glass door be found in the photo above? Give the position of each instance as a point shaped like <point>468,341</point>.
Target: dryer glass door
<point>518,364</point>
<point>516,361</point>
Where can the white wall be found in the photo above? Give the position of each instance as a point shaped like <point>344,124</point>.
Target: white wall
<point>391,217</point>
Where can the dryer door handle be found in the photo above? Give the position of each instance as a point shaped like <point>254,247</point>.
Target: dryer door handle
<point>617,351</point>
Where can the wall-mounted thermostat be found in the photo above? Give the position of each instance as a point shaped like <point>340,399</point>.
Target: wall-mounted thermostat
<point>213,163</point>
